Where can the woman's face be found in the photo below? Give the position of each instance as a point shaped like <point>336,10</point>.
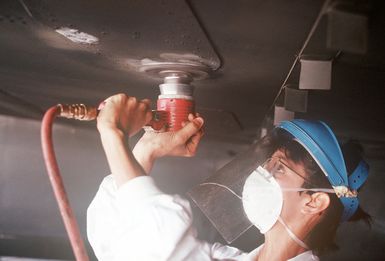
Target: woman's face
<point>288,174</point>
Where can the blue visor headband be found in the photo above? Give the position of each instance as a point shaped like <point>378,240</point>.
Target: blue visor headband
<point>319,140</point>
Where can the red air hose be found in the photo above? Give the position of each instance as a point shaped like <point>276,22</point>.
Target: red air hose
<point>58,186</point>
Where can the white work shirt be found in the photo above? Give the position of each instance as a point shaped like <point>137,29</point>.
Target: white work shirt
<point>139,222</point>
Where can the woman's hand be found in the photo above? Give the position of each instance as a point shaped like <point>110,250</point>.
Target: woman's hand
<point>183,142</point>
<point>123,114</point>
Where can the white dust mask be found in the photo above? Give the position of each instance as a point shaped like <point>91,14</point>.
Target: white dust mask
<point>262,199</point>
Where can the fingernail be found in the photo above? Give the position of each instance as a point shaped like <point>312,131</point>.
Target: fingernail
<point>199,121</point>
<point>101,105</point>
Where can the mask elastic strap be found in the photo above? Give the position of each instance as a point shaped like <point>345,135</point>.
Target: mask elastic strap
<point>292,235</point>
<point>326,190</point>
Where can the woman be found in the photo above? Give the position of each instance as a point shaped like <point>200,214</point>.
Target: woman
<point>131,219</point>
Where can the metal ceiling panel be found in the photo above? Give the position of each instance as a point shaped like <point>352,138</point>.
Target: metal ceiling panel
<point>130,29</point>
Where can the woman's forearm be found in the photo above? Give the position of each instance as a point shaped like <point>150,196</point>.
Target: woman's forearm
<point>144,157</point>
<point>121,161</point>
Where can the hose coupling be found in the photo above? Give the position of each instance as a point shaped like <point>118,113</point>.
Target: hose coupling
<point>80,112</point>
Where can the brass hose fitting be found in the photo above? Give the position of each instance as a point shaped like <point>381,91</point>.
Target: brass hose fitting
<point>80,112</point>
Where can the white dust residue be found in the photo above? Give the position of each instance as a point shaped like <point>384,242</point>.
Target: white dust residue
<point>76,36</point>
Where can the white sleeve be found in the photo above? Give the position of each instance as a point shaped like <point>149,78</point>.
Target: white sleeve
<point>139,222</point>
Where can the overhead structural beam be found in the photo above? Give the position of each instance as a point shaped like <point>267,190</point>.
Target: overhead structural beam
<point>13,104</point>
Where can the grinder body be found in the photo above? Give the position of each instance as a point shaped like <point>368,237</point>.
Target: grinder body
<point>174,104</point>
<point>174,111</point>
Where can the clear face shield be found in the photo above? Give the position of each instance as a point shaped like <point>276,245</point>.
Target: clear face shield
<point>245,192</point>
<point>219,197</point>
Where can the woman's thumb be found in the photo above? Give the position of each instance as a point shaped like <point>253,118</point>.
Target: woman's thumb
<point>191,128</point>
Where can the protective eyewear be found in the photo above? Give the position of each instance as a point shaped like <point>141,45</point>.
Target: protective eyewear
<point>278,168</point>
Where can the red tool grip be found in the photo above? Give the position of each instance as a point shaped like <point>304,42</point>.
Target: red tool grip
<point>171,112</point>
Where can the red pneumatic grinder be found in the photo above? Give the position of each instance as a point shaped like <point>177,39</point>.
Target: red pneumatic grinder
<point>176,100</point>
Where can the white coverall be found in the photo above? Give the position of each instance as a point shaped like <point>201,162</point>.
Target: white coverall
<point>139,222</point>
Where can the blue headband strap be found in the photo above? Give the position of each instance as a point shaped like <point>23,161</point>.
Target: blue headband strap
<point>356,180</point>
<point>350,207</point>
<point>359,175</point>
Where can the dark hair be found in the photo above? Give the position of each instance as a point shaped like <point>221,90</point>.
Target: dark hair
<point>321,238</point>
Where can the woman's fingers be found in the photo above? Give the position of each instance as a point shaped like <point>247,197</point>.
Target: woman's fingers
<point>146,106</point>
<point>193,142</point>
<point>147,102</point>
<point>190,117</point>
<point>125,112</point>
<point>189,136</point>
<point>190,129</point>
